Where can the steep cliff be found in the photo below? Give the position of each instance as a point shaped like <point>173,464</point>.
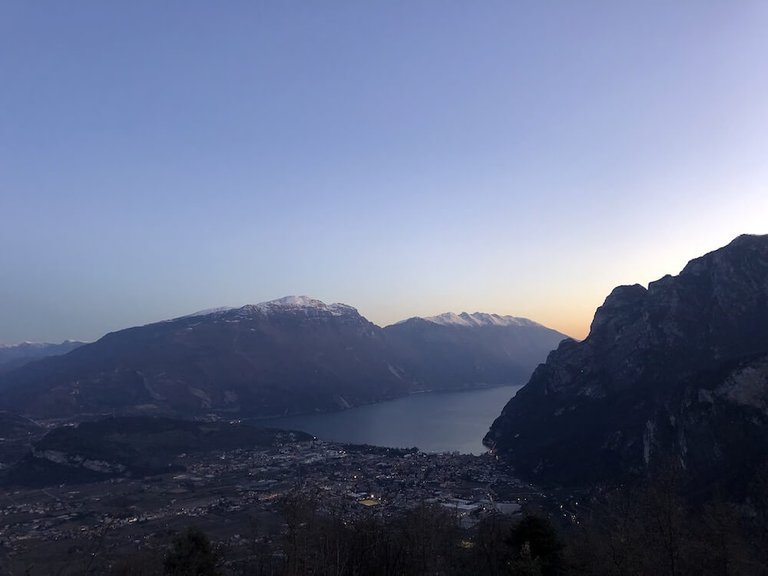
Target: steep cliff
<point>678,370</point>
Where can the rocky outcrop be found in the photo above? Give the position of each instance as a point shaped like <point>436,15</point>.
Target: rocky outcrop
<point>678,370</point>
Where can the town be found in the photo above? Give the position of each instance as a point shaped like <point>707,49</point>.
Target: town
<point>235,497</point>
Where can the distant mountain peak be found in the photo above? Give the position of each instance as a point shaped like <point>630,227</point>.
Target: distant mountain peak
<point>16,355</point>
<point>299,304</point>
<point>297,301</point>
<point>291,304</point>
<point>477,319</point>
<point>30,344</point>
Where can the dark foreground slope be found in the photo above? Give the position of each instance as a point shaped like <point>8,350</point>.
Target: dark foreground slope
<point>678,370</point>
<point>16,434</point>
<point>130,446</point>
<point>288,356</point>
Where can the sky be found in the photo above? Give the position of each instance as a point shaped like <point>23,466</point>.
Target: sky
<point>406,158</point>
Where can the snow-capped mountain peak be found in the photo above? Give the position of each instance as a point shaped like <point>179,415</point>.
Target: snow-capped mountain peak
<point>479,319</point>
<point>295,304</point>
<point>40,345</point>
<point>295,301</point>
<point>298,304</point>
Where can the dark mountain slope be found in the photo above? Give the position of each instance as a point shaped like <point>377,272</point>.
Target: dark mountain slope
<point>293,355</point>
<point>456,351</point>
<point>287,356</point>
<point>15,356</point>
<point>131,446</point>
<point>678,370</point>
<point>16,434</point>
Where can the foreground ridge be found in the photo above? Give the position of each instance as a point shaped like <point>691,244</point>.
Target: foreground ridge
<point>678,370</point>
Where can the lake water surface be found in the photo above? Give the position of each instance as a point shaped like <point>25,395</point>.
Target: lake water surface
<point>432,421</point>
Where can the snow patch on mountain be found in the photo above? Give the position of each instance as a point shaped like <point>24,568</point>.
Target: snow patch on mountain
<point>295,301</point>
<point>477,319</point>
<point>39,345</point>
<point>206,312</point>
<point>298,304</point>
<point>294,304</point>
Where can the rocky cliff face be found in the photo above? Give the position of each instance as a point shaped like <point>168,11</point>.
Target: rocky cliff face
<point>679,370</point>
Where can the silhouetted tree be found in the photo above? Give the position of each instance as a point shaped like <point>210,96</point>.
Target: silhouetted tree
<point>491,550</point>
<point>191,554</point>
<point>717,541</point>
<point>536,547</point>
<point>524,564</point>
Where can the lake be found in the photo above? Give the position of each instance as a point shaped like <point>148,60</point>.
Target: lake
<point>431,421</point>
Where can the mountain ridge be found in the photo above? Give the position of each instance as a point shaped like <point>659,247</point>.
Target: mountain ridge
<point>678,369</point>
<point>291,355</point>
<point>13,356</point>
<point>474,319</point>
<point>488,351</point>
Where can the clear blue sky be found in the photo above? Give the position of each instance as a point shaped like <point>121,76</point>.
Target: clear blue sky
<point>407,158</point>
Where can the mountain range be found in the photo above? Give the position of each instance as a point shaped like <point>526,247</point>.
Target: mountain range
<point>287,356</point>
<point>17,355</point>
<point>674,372</point>
<point>461,350</point>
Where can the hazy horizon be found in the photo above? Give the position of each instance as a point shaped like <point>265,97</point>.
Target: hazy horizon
<point>408,159</point>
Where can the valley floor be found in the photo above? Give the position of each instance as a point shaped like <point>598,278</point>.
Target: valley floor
<point>236,497</point>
